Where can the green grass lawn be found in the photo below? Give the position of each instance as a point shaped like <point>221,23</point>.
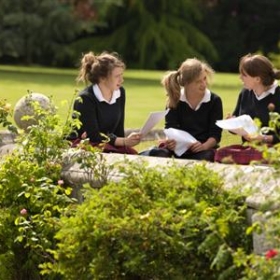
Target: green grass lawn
<point>143,88</point>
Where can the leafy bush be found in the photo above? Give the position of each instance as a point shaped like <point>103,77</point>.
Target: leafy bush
<point>5,113</point>
<point>177,222</point>
<point>266,265</point>
<point>173,223</point>
<point>32,194</point>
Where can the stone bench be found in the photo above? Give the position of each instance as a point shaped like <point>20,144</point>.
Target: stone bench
<point>258,177</point>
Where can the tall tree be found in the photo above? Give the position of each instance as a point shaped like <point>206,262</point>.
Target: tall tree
<point>237,27</point>
<point>36,31</point>
<point>156,34</point>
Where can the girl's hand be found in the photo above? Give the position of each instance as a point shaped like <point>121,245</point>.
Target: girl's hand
<point>253,138</point>
<point>229,116</point>
<point>133,139</point>
<point>197,147</point>
<point>169,143</point>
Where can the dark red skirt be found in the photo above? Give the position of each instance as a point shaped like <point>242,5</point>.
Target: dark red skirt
<point>238,154</point>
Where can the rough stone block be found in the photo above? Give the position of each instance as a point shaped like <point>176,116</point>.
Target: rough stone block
<point>24,107</point>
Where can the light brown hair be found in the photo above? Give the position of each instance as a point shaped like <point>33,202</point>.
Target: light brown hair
<point>93,67</point>
<point>189,70</point>
<point>256,65</point>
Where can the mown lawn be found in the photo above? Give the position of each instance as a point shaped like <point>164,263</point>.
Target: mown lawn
<point>144,91</point>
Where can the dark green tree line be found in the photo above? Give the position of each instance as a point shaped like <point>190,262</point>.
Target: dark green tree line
<point>159,33</point>
<point>36,31</point>
<point>237,27</point>
<point>148,34</point>
<point>156,34</point>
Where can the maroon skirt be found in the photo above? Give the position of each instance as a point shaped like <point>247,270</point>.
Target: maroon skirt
<point>238,154</point>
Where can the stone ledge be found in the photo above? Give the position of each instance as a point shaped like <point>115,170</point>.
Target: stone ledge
<point>262,181</point>
<point>6,137</point>
<point>260,178</point>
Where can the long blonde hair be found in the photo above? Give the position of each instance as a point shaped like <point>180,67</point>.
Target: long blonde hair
<point>189,70</point>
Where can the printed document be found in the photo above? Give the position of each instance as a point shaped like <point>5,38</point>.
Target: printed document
<point>242,125</point>
<point>183,139</point>
<point>152,120</point>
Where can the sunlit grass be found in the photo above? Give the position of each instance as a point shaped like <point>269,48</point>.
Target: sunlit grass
<point>144,92</point>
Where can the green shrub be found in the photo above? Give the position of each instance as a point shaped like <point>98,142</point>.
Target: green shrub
<point>6,113</point>
<point>33,196</point>
<point>173,223</point>
<point>265,266</point>
<point>177,222</point>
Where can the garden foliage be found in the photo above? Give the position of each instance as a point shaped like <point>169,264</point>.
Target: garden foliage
<point>266,266</point>
<point>154,224</point>
<point>173,222</point>
<point>32,194</point>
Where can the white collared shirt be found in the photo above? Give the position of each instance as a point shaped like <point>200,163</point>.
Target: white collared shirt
<point>206,98</point>
<point>271,90</point>
<point>98,94</point>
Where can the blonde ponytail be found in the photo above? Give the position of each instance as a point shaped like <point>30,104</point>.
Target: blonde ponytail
<point>172,87</point>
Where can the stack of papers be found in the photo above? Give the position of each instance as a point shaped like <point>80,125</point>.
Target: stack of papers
<point>183,139</point>
<point>242,125</point>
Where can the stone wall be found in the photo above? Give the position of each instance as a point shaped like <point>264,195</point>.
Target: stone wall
<point>6,142</point>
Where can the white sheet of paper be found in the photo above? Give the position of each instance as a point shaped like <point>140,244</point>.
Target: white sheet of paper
<point>242,125</point>
<point>183,139</point>
<point>152,120</point>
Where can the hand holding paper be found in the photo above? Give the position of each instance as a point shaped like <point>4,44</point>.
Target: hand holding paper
<point>242,125</point>
<point>152,120</point>
<point>183,139</point>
